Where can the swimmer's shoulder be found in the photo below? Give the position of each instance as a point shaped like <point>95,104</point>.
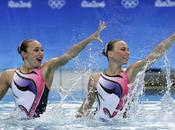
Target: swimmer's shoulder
<point>9,71</point>
<point>94,79</point>
<point>95,76</point>
<point>8,74</point>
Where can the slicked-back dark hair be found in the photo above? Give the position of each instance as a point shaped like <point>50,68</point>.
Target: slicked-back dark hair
<point>109,47</point>
<point>23,45</point>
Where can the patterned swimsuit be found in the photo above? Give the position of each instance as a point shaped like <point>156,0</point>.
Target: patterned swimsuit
<point>30,93</point>
<point>111,94</point>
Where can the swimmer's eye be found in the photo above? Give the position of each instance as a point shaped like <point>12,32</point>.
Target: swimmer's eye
<point>37,50</point>
<point>124,49</point>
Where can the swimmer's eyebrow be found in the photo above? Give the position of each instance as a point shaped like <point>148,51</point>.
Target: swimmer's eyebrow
<point>38,48</point>
<point>126,48</point>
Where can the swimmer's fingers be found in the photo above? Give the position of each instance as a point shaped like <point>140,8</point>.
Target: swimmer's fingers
<point>102,26</point>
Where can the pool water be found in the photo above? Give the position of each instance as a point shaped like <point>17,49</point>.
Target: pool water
<point>152,112</point>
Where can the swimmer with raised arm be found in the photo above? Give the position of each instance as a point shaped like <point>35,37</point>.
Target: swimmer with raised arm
<point>31,82</point>
<point>110,87</point>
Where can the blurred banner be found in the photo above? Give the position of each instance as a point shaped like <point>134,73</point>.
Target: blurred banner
<point>58,24</point>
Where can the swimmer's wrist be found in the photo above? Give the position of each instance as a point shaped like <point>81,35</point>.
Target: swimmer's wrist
<point>172,37</point>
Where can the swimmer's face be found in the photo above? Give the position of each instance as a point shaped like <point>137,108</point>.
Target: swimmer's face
<point>34,54</point>
<point>120,52</point>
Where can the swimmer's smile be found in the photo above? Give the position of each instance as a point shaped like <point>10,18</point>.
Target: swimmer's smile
<point>39,59</point>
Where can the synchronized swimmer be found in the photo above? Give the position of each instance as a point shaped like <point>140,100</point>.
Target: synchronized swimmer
<point>31,82</point>
<point>111,87</point>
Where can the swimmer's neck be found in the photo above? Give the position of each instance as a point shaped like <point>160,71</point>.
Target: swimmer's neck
<point>26,69</point>
<point>113,69</point>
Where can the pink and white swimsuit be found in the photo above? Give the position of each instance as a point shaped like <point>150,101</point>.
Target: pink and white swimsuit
<point>30,93</point>
<point>111,94</point>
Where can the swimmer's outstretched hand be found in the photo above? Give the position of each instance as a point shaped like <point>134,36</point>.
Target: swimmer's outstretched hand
<point>96,35</point>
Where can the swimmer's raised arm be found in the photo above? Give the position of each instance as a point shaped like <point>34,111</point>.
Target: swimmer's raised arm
<point>151,58</point>
<point>76,49</point>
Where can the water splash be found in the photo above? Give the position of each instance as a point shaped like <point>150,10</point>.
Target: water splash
<point>168,73</point>
<point>132,104</point>
<point>81,71</point>
<point>167,102</point>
